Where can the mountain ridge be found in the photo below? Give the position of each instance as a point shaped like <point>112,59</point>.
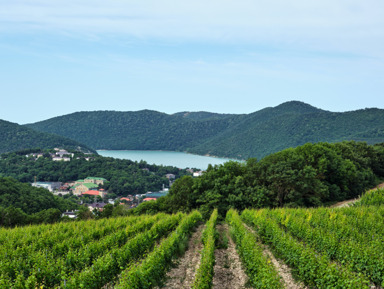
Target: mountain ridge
<point>241,136</point>
<point>16,137</point>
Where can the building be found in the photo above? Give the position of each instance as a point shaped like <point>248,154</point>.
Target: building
<point>97,206</point>
<point>80,188</point>
<point>127,199</point>
<point>69,214</point>
<point>93,180</point>
<point>50,186</point>
<point>61,193</point>
<point>156,195</point>
<point>64,159</point>
<point>95,193</point>
<point>198,174</point>
<point>170,176</point>
<point>62,153</point>
<point>149,199</point>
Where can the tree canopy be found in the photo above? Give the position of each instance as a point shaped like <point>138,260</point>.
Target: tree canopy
<point>22,204</point>
<point>307,176</point>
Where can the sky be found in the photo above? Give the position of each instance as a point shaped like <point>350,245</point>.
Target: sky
<point>59,57</point>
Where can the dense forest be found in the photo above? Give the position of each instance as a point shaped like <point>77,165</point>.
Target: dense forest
<point>243,136</point>
<point>22,204</point>
<point>15,137</point>
<point>141,130</point>
<point>124,176</point>
<point>307,176</point>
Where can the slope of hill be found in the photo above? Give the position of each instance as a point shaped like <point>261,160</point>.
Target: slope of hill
<point>29,199</point>
<point>15,137</point>
<point>237,136</point>
<point>257,138</point>
<point>145,130</point>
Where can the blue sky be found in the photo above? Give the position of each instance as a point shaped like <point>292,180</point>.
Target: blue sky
<point>59,57</point>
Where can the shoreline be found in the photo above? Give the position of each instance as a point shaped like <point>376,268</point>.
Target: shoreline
<point>185,152</point>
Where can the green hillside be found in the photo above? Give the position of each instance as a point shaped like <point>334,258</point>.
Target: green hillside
<point>237,136</point>
<point>146,129</point>
<point>256,137</point>
<point>15,137</point>
<point>22,204</point>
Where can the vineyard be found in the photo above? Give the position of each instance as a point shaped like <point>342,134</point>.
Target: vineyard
<point>319,248</point>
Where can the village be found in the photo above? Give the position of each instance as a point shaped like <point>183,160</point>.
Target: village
<point>59,155</point>
<point>91,192</point>
<point>92,195</point>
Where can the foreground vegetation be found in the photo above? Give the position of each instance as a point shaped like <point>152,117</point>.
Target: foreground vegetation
<point>91,254</point>
<point>308,176</point>
<point>324,247</point>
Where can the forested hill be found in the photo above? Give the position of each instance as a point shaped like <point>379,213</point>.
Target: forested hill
<point>237,136</point>
<point>253,137</point>
<point>22,204</point>
<point>140,130</point>
<point>14,137</point>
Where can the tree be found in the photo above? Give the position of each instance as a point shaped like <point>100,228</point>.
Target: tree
<point>180,196</point>
<point>84,213</point>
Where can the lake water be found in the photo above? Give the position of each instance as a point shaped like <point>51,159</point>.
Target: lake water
<point>166,158</point>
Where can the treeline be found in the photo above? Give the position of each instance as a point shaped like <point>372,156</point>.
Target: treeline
<point>307,176</point>
<point>22,204</point>
<point>124,176</point>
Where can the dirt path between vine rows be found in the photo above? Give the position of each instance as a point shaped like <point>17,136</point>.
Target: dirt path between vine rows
<point>283,269</point>
<point>183,276</point>
<point>343,204</point>
<point>228,271</point>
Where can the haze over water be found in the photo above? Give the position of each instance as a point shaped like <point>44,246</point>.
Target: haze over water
<point>166,158</point>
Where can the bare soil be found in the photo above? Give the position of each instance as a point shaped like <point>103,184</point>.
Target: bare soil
<point>380,186</point>
<point>283,270</point>
<point>228,271</point>
<point>183,275</point>
<point>347,203</point>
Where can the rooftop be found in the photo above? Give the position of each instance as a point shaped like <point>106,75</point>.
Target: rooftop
<point>92,193</point>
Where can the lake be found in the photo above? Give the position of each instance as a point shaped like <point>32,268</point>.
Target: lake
<point>166,158</point>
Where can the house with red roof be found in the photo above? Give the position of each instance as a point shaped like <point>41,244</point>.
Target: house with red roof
<point>95,193</point>
<point>149,199</point>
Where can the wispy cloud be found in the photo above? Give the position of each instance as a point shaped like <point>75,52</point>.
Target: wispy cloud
<point>351,25</point>
<point>218,55</point>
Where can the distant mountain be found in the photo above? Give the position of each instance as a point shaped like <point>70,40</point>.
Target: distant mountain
<point>238,136</point>
<point>14,137</point>
<point>140,130</point>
